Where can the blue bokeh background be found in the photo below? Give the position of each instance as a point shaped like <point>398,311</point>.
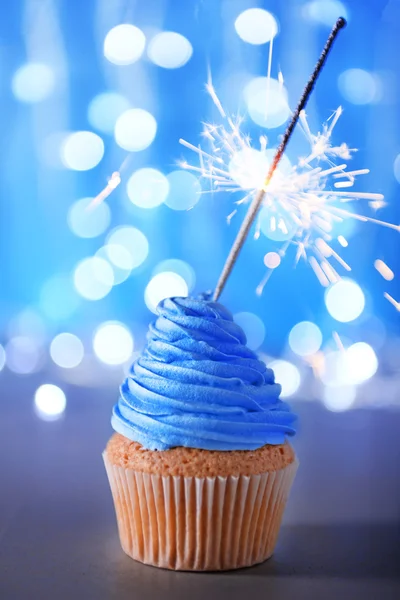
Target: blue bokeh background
<point>36,243</point>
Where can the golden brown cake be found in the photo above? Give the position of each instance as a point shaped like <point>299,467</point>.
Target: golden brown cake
<point>194,462</point>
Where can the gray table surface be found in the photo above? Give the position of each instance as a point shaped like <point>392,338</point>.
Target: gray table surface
<point>58,536</point>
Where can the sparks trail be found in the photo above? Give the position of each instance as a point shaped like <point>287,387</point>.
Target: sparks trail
<point>112,183</point>
<point>299,205</point>
<point>392,301</point>
<point>302,204</point>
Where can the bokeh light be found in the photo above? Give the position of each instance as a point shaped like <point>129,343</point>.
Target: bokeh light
<point>287,375</point>
<point>113,343</point>
<point>28,323</point>
<point>334,371</point>
<point>116,255</point>
<point>22,355</point>
<point>253,327</point>
<point>184,190</point>
<point>256,26</point>
<point>349,367</point>
<point>93,278</point>
<point>362,362</point>
<point>124,44</point>
<point>147,188</point>
<point>267,102</point>
<point>325,11</point>
<point>104,110</point>
<point>169,50</point>
<point>359,86</point>
<point>135,129</point>
<point>230,87</point>
<point>338,399</point>
<point>164,285</point>
<point>58,298</point>
<point>180,267</point>
<point>50,402</point>
<point>33,82</point>
<point>88,223</point>
<point>66,350</point>
<point>134,244</point>
<point>2,357</point>
<point>305,338</point>
<point>272,260</point>
<point>49,149</point>
<point>396,167</point>
<point>82,150</point>
<point>345,300</point>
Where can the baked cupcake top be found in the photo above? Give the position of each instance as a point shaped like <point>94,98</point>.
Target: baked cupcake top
<point>197,385</point>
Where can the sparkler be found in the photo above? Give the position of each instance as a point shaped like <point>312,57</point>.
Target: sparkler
<point>301,205</point>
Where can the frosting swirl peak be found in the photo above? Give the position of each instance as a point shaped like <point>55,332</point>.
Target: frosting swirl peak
<point>197,385</point>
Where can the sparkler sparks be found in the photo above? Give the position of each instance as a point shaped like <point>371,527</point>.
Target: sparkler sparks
<point>112,184</point>
<point>303,204</point>
<point>384,270</point>
<point>392,301</point>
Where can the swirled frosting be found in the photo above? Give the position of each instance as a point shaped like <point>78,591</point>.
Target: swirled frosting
<point>197,385</point>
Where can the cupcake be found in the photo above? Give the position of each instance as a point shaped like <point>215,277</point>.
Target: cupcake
<point>200,466</point>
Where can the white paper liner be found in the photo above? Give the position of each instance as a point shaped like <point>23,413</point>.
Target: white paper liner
<point>199,524</point>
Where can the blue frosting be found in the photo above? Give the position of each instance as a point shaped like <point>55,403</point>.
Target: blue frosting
<point>197,385</point>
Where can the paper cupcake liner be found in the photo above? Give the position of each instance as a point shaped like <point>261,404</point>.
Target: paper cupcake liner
<point>199,524</point>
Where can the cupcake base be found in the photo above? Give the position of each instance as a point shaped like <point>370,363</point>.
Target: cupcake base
<point>207,523</point>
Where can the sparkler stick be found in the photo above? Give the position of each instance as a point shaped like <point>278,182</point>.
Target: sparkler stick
<point>258,199</point>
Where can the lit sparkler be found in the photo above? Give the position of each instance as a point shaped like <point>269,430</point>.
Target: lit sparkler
<point>302,204</point>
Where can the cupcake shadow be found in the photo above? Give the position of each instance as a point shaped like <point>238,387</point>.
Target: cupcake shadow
<point>370,550</point>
